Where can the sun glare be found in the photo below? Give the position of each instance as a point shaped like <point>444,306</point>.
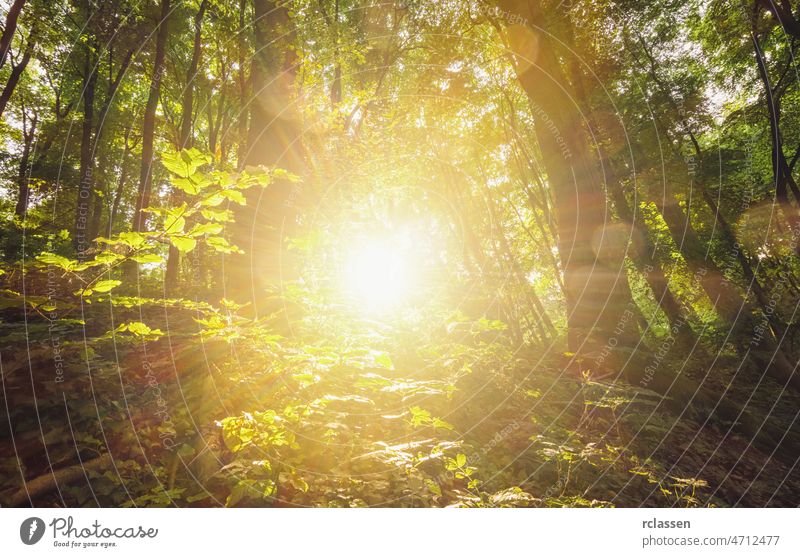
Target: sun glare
<point>380,273</point>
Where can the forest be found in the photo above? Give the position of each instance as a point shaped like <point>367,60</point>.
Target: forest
<point>399,253</point>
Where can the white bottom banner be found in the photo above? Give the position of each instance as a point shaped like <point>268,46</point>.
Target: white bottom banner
<point>400,532</point>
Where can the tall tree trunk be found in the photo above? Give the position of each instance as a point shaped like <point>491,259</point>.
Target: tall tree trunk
<point>191,75</point>
<point>242,117</point>
<point>274,138</point>
<point>595,279</point>
<point>333,24</point>
<point>123,178</point>
<point>782,174</point>
<point>111,91</point>
<point>149,122</point>
<point>644,257</point>
<point>12,240</point>
<point>28,134</point>
<point>185,140</point>
<point>16,73</point>
<point>86,177</point>
<point>782,10</point>
<point>9,29</point>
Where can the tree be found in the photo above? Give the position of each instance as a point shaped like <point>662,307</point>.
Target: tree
<point>86,173</point>
<point>185,138</point>
<point>149,121</point>
<point>9,28</point>
<point>274,138</point>
<point>17,68</point>
<point>591,259</point>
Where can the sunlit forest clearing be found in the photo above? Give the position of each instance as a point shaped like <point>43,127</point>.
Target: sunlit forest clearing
<point>407,253</point>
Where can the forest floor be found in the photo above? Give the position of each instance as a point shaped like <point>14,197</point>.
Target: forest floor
<point>452,416</point>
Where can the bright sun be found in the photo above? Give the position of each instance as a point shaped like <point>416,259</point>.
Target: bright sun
<point>381,273</point>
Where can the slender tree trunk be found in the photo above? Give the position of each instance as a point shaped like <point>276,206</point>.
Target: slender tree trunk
<point>28,134</point>
<point>13,240</point>
<point>97,210</point>
<point>43,147</point>
<point>86,171</point>
<point>123,178</point>
<point>242,117</point>
<point>215,129</point>
<point>191,76</point>
<point>16,73</point>
<point>647,264</point>
<point>782,11</point>
<point>333,25</point>
<point>185,139</point>
<point>9,29</point>
<point>782,174</point>
<point>149,122</point>
<point>111,91</point>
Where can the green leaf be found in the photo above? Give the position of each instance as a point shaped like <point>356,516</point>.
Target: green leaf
<point>237,493</point>
<point>213,322</point>
<point>234,195</point>
<point>419,416</point>
<point>56,260</point>
<point>206,228</point>
<point>433,487</point>
<point>221,245</point>
<point>106,285</point>
<point>148,258</point>
<point>281,174</point>
<point>131,239</point>
<point>186,162</point>
<point>213,200</point>
<point>253,177</point>
<point>184,243</point>
<point>107,257</point>
<point>186,185</point>
<point>192,185</point>
<point>441,424</point>
<point>217,215</point>
<point>384,360</point>
<point>138,328</point>
<point>174,223</point>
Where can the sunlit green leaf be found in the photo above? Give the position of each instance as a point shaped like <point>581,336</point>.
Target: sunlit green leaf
<point>106,285</point>
<point>183,243</point>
